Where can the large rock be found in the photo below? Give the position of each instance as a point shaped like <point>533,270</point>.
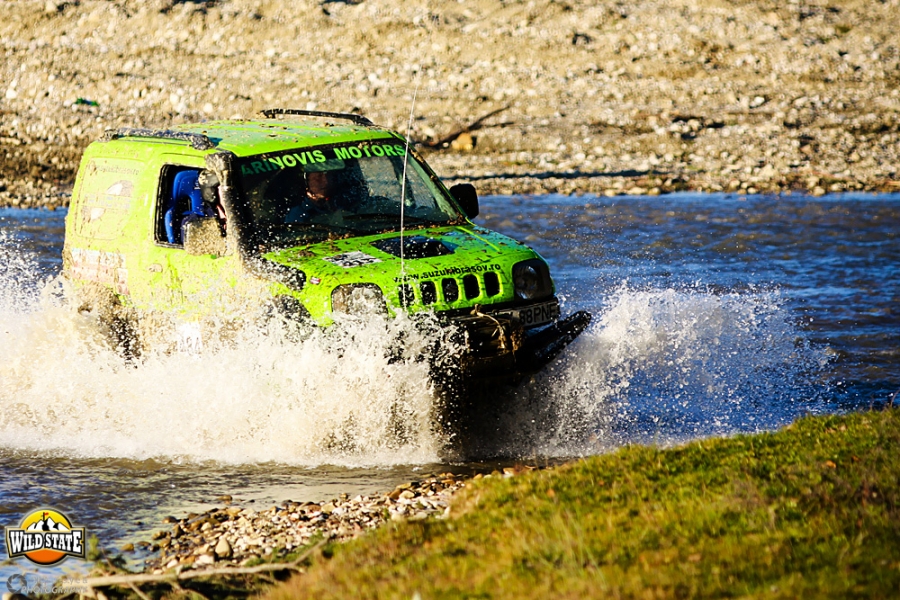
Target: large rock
<point>223,548</point>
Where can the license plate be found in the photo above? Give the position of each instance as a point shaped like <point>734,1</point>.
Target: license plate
<point>537,314</point>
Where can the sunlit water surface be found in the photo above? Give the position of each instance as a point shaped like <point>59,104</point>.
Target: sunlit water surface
<point>713,314</point>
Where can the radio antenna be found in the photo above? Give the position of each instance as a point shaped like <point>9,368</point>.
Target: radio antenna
<point>412,109</point>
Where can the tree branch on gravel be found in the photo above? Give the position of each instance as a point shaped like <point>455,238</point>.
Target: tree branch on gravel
<point>473,126</point>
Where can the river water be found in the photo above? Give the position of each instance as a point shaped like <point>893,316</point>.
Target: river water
<point>713,314</point>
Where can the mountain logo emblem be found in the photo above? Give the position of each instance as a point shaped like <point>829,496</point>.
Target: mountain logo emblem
<point>45,537</point>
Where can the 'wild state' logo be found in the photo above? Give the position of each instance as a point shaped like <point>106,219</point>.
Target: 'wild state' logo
<point>45,537</point>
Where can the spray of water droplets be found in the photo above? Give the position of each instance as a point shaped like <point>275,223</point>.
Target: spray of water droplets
<point>664,366</point>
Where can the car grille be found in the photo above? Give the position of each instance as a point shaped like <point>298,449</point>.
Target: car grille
<point>450,289</point>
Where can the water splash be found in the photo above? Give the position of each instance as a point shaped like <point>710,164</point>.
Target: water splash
<point>663,366</point>
<point>342,396</point>
<point>659,365</point>
<point>17,274</point>
<point>328,399</point>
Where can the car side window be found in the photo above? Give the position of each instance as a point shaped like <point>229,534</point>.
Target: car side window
<point>179,198</point>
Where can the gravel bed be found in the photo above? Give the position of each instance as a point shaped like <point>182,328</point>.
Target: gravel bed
<point>235,536</point>
<point>605,97</point>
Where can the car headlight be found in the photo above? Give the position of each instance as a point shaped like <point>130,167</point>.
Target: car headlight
<point>358,299</point>
<point>531,280</point>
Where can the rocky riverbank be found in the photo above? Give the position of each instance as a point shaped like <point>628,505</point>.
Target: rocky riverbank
<point>592,97</point>
<point>235,536</point>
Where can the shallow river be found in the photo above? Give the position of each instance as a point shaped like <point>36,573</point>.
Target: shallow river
<point>713,314</point>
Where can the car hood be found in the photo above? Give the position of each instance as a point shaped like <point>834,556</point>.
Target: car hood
<point>427,253</point>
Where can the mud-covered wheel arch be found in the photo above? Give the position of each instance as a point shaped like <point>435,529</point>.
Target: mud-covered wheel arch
<point>119,322</point>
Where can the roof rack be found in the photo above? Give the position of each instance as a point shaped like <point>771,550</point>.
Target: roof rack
<point>271,113</point>
<point>198,140</point>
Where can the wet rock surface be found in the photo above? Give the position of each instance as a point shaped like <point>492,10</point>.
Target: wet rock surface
<point>597,97</point>
<point>235,536</point>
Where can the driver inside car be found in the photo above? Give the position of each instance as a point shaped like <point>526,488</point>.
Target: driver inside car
<point>326,200</point>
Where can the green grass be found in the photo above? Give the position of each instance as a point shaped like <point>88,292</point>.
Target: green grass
<point>809,511</point>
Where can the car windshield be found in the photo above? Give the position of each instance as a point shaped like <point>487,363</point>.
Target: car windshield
<point>300,196</point>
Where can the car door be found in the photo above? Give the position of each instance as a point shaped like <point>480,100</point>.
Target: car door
<point>193,292</point>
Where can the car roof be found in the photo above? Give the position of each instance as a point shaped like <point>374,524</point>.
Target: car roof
<point>259,136</point>
<point>252,137</point>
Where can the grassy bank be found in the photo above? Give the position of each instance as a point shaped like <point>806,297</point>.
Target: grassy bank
<point>809,511</point>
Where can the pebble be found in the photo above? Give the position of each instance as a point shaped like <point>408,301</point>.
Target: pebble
<point>223,548</point>
<point>203,560</point>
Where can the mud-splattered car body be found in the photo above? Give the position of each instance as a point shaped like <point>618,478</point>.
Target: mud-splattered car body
<point>201,221</point>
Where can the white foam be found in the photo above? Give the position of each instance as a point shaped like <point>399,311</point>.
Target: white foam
<point>255,400</point>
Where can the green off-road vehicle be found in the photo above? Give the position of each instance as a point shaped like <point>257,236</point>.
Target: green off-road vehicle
<point>301,214</point>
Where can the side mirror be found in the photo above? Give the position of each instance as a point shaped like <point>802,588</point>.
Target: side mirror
<point>203,236</point>
<point>467,198</point>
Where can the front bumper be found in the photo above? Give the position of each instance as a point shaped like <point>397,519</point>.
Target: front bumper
<point>508,342</point>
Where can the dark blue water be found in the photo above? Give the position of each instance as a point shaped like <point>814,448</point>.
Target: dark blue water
<point>714,314</point>
<point>833,261</point>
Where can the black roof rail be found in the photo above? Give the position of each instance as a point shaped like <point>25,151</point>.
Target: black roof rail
<point>271,113</point>
<point>198,140</point>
